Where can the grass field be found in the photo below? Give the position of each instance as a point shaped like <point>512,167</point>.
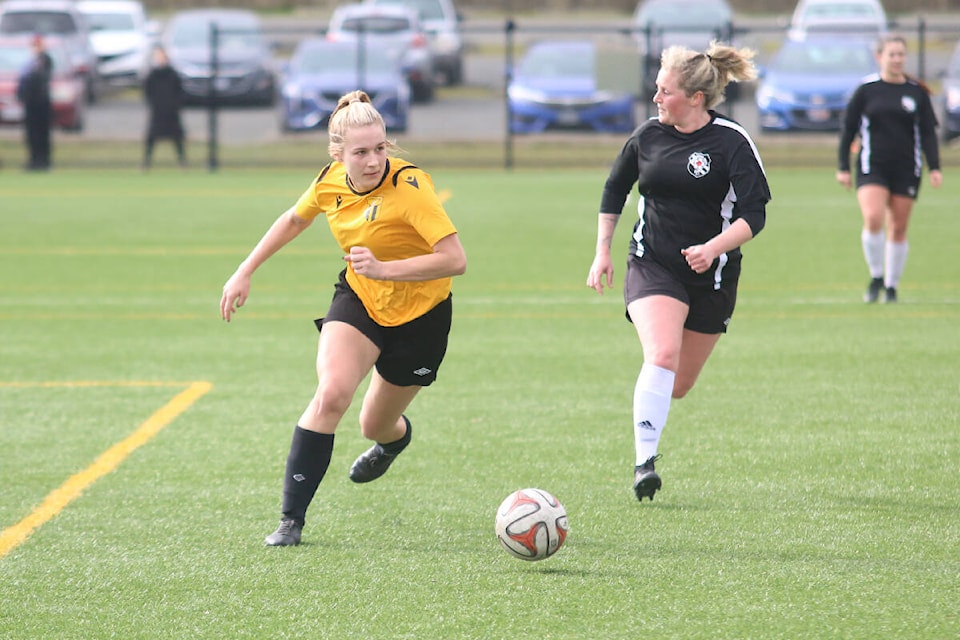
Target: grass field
<point>811,480</point>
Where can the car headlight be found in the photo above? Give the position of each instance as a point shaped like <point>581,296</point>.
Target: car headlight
<point>63,93</point>
<point>767,94</point>
<point>953,98</point>
<point>523,94</point>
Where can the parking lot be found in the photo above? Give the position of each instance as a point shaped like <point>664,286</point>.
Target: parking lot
<point>474,110</point>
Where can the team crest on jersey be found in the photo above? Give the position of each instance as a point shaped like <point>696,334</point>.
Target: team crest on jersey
<point>698,164</point>
<point>373,208</point>
<point>909,104</point>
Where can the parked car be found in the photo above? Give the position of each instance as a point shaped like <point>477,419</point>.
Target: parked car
<point>659,24</point>
<point>321,71</point>
<point>67,89</point>
<point>859,18</point>
<point>397,30</point>
<point>245,72</point>
<point>62,19</point>
<point>555,86</point>
<point>808,83</point>
<point>441,22</point>
<point>950,98</point>
<point>120,37</point>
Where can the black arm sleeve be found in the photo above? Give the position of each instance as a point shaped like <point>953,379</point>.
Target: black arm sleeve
<point>851,124</point>
<point>928,134</point>
<point>623,175</point>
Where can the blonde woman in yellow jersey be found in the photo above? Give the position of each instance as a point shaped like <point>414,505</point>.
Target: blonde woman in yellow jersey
<point>391,309</point>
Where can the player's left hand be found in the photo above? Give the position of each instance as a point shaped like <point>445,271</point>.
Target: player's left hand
<point>364,263</point>
<point>699,257</point>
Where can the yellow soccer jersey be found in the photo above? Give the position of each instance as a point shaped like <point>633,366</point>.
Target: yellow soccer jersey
<point>401,218</point>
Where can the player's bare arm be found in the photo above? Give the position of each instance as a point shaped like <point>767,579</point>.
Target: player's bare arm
<point>602,268</point>
<point>236,290</point>
<point>448,259</point>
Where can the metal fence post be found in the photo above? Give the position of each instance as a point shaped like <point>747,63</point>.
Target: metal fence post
<point>212,99</point>
<point>509,29</point>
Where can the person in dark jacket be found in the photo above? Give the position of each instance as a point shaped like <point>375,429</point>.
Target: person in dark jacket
<point>164,94</point>
<point>33,91</point>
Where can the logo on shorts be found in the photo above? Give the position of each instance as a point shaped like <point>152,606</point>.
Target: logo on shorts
<point>909,104</point>
<point>698,164</point>
<point>422,371</point>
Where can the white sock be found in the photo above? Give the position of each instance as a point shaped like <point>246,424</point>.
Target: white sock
<point>873,251</point>
<point>896,261</point>
<point>651,404</point>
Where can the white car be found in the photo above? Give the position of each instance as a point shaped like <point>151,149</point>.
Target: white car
<point>121,38</point>
<point>864,19</point>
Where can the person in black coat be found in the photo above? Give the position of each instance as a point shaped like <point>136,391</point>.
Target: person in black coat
<point>164,94</point>
<point>33,91</point>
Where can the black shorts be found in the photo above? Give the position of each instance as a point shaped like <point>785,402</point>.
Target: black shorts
<point>410,353</point>
<point>899,178</point>
<point>710,309</point>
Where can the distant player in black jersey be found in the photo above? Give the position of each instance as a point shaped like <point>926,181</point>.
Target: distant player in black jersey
<point>894,118</point>
<point>703,193</point>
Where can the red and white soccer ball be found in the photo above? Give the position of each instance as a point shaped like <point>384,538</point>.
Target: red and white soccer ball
<point>531,524</point>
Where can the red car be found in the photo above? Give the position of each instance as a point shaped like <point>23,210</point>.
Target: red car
<point>66,87</point>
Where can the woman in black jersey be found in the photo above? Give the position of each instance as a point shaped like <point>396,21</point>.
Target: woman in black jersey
<point>703,193</point>
<point>894,118</point>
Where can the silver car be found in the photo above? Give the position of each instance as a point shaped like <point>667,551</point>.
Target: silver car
<point>396,29</point>
<point>441,21</point>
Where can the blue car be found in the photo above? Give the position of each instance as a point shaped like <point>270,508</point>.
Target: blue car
<point>809,82</point>
<point>555,87</point>
<point>321,71</point>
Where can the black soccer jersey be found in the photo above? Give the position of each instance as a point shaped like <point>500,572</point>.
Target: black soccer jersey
<point>692,186</point>
<point>895,122</point>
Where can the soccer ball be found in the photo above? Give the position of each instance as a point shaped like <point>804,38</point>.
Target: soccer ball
<point>531,524</point>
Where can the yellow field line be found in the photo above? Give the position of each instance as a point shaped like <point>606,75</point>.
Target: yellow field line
<point>109,460</point>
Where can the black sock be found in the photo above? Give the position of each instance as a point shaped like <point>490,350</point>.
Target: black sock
<point>395,447</point>
<point>306,465</point>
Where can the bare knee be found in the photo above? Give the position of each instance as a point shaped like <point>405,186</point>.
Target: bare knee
<point>682,386</point>
<point>332,400</point>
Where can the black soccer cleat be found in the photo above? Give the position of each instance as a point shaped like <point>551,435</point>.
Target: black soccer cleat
<point>374,462</point>
<point>286,535</point>
<point>890,295</point>
<point>873,290</point>
<point>646,482</point>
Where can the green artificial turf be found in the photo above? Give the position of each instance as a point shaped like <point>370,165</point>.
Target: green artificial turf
<point>810,479</point>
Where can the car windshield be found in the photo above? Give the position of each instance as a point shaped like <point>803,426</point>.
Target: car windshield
<point>825,58</point>
<point>678,14</point>
<point>110,22</point>
<point>376,24</point>
<point>17,58</point>
<point>319,59</point>
<point>557,63</point>
<point>47,22</point>
<point>196,33</point>
<point>836,10</point>
<point>428,9</point>
<point>14,58</point>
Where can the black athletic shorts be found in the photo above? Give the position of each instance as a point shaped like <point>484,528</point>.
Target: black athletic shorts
<point>710,309</point>
<point>411,353</point>
<point>898,177</point>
